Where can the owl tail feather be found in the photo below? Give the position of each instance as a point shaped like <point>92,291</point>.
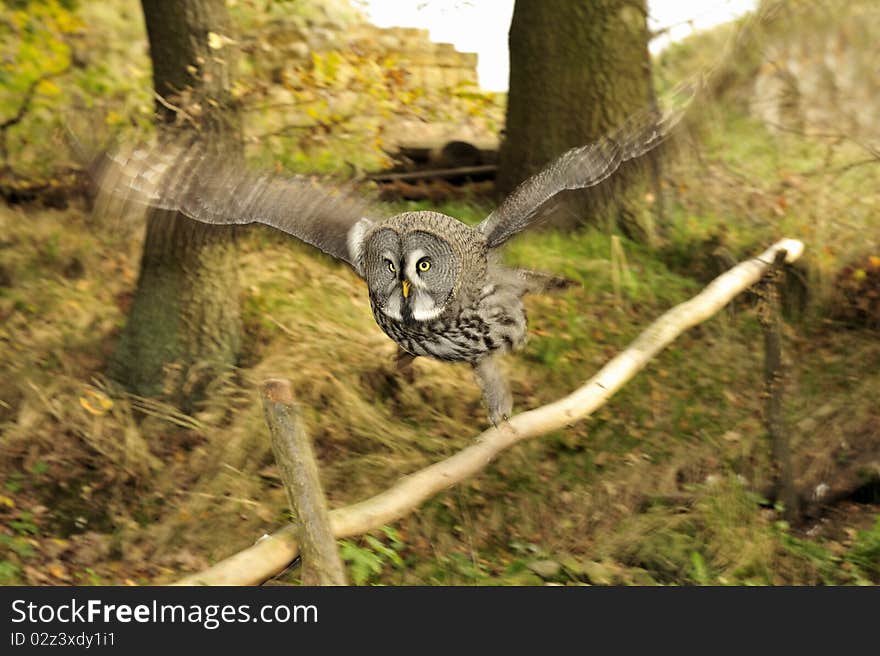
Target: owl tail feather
<point>538,282</point>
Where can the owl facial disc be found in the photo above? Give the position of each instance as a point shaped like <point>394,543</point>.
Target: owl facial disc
<point>411,275</point>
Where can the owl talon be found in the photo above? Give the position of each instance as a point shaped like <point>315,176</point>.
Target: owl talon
<point>498,420</point>
<point>496,392</point>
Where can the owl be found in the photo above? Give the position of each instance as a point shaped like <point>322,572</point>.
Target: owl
<point>436,285</point>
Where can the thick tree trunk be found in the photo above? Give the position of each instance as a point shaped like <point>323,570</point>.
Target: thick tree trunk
<point>184,323</point>
<point>578,69</point>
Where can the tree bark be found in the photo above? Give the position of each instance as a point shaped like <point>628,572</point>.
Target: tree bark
<point>185,310</point>
<point>578,69</point>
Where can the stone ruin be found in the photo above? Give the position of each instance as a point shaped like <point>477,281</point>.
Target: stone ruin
<point>428,66</point>
<point>822,74</point>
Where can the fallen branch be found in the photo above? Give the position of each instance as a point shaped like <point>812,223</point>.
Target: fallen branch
<point>432,174</point>
<point>272,554</point>
<point>28,97</point>
<point>299,473</point>
<point>24,107</point>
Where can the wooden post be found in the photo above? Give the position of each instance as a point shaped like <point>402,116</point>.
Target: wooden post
<point>299,472</point>
<point>769,316</point>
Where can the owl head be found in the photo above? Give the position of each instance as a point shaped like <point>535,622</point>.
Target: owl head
<point>414,263</point>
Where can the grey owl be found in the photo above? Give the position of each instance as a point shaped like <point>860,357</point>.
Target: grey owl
<point>436,285</point>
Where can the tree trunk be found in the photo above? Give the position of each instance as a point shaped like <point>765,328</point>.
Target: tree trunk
<point>578,69</point>
<point>184,324</point>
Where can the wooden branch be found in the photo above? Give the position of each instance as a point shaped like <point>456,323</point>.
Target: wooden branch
<point>28,97</point>
<point>167,104</point>
<point>24,106</point>
<point>430,174</point>
<point>769,316</point>
<point>273,554</point>
<point>299,473</point>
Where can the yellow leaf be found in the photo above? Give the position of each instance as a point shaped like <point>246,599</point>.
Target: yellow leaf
<point>57,570</point>
<point>114,118</point>
<point>6,501</point>
<point>96,402</point>
<point>49,88</point>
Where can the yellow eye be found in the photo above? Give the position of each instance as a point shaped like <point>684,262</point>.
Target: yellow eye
<point>424,265</point>
<point>391,266</point>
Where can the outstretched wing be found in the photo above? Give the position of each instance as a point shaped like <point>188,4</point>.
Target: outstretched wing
<point>579,168</point>
<point>208,186</point>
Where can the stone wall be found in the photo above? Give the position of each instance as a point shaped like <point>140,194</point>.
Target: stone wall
<point>436,71</point>
<point>427,64</point>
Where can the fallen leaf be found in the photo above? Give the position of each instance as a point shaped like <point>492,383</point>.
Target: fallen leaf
<point>58,571</point>
<point>96,403</point>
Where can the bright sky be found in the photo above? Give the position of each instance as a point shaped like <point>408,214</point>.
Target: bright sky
<point>481,25</point>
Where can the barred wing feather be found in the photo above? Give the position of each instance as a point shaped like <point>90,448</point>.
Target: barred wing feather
<point>212,188</point>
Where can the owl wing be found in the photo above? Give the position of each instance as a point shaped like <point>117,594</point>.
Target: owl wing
<point>211,187</point>
<point>581,167</point>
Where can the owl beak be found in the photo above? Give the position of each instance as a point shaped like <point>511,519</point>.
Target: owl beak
<point>405,285</point>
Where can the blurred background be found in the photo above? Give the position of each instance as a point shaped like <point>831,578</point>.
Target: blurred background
<point>132,443</point>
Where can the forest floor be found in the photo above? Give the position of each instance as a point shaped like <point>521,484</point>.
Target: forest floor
<point>663,485</point>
